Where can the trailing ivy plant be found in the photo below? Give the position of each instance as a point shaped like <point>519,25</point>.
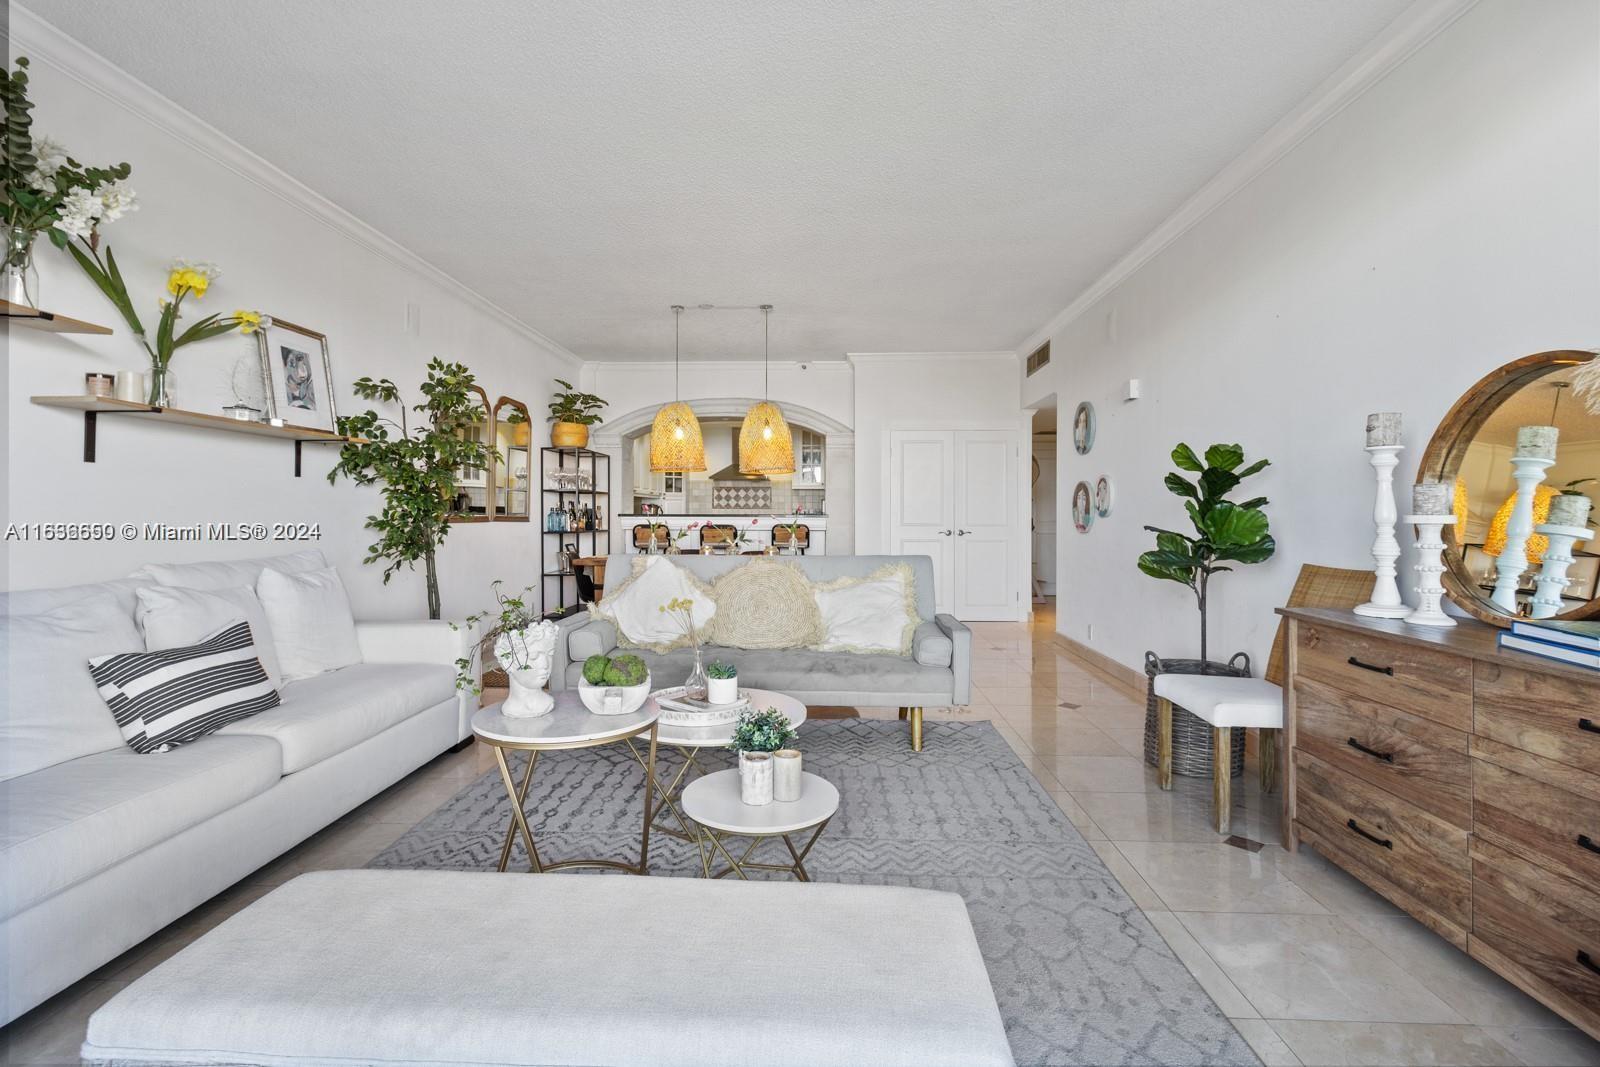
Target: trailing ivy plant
<point>415,468</point>
<point>1225,532</point>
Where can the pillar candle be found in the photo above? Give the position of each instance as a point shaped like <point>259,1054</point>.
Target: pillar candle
<point>1536,442</point>
<point>1383,428</point>
<point>129,385</point>
<point>1569,510</point>
<point>1430,498</point>
<point>786,780</point>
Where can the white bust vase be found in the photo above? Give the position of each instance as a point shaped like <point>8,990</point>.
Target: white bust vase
<point>527,656</point>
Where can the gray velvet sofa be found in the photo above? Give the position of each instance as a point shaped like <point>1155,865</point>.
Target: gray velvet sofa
<point>938,672</point>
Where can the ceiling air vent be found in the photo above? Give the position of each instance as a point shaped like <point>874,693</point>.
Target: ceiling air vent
<point>1040,358</point>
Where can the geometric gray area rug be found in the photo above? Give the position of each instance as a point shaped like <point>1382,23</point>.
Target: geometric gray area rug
<point>1080,975</point>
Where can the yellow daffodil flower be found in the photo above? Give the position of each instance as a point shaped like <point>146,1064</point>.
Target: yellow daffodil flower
<point>249,321</point>
<point>187,279</point>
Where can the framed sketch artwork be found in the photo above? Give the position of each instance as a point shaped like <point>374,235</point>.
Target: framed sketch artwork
<point>1083,428</point>
<point>1103,498</point>
<point>297,374</point>
<point>1082,507</point>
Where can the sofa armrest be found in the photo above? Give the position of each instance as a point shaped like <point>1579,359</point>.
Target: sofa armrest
<point>596,632</point>
<point>426,641</point>
<point>960,657</point>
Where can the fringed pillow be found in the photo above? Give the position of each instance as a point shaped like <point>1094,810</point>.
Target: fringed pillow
<point>873,614</point>
<point>635,605</point>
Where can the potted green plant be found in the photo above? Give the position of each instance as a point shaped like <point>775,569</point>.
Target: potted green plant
<point>572,412</point>
<point>523,645</point>
<point>1225,532</point>
<point>722,683</point>
<point>758,735</point>
<point>415,468</point>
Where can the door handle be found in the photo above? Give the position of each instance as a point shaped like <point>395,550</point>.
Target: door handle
<point>944,533</point>
<point>962,533</point>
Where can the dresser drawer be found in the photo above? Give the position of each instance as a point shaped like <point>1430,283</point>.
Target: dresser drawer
<point>1414,858</point>
<point>1545,812</point>
<point>1437,685</point>
<point>1416,759</point>
<point>1539,930</point>
<point>1550,715</point>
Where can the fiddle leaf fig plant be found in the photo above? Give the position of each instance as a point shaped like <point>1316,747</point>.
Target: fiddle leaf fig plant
<point>414,466</point>
<point>1224,531</point>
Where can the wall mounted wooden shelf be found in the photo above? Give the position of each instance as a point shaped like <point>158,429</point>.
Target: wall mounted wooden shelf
<point>94,406</point>
<point>33,319</point>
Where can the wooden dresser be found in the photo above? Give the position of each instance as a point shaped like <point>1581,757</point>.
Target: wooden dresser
<point>1461,782</point>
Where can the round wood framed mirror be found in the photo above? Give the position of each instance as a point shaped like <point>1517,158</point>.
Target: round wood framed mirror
<point>1472,451</point>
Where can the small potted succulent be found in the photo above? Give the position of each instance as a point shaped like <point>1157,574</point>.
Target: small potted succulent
<point>572,412</point>
<point>757,736</point>
<point>1571,507</point>
<point>722,683</point>
<point>614,685</point>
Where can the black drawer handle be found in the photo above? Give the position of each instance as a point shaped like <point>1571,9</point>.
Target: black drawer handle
<point>1588,961</point>
<point>1585,841</point>
<point>1387,757</point>
<point>1384,841</point>
<point>1370,667</point>
<point>1588,724</point>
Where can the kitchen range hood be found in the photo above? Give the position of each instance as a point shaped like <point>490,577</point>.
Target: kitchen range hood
<point>732,473</point>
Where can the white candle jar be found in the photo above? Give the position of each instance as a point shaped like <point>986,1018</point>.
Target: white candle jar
<point>755,778</point>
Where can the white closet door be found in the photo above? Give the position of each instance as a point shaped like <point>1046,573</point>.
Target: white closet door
<point>985,516</point>
<point>922,503</point>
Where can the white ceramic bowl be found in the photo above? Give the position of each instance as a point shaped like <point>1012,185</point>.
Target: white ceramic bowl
<point>633,697</point>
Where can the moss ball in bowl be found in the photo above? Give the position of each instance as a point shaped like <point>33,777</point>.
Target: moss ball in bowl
<point>626,676</point>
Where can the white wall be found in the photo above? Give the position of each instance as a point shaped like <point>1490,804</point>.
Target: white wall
<point>1444,223</point>
<point>282,260</point>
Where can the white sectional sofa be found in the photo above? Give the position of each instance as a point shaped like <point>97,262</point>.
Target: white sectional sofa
<point>100,847</point>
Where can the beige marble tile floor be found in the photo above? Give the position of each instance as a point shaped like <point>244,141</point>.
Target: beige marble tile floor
<point>1312,967</point>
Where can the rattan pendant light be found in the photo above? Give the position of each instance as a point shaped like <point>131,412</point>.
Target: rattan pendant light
<point>676,443</point>
<point>766,446</point>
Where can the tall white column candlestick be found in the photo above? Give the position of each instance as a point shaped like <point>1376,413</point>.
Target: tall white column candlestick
<point>1385,602</point>
<point>1557,558</point>
<point>1429,566</point>
<point>1513,560</point>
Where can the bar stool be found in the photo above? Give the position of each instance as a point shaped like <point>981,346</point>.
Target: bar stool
<point>1225,702</point>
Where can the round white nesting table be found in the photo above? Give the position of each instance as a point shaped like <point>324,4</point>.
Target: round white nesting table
<point>713,803</point>
<point>687,740</point>
<point>569,725</point>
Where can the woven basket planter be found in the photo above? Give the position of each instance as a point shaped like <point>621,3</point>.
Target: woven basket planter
<point>1191,735</point>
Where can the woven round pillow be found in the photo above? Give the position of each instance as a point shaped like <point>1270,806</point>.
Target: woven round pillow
<point>764,604</point>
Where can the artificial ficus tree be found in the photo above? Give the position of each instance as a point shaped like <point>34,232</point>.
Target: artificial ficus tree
<point>415,468</point>
<point>1225,531</point>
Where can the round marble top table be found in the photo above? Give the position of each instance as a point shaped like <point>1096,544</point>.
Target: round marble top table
<point>713,802</point>
<point>568,725</point>
<point>722,736</point>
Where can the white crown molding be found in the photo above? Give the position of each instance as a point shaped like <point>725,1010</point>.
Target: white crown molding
<point>1414,28</point>
<point>919,357</point>
<point>43,42</point>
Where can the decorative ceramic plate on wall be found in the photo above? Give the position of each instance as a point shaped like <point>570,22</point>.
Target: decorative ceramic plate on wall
<point>1082,507</point>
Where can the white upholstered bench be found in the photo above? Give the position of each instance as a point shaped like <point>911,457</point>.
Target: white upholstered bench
<point>441,967</point>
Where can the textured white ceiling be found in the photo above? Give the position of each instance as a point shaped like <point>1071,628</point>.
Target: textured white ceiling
<point>897,175</point>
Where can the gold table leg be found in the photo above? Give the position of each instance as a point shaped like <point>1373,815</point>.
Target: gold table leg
<point>519,820</point>
<point>742,864</point>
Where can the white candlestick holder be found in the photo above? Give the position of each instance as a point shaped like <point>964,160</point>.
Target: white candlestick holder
<point>1513,560</point>
<point>1429,566</point>
<point>1557,558</point>
<point>1385,602</point>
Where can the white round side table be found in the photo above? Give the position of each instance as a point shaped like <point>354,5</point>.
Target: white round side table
<point>688,740</point>
<point>713,802</point>
<point>569,725</point>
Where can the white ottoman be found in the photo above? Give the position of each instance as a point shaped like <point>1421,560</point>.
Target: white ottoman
<point>440,967</point>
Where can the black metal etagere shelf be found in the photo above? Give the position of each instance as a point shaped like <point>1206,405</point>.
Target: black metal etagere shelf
<point>595,498</point>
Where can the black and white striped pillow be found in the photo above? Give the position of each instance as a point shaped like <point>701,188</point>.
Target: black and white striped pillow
<point>167,698</point>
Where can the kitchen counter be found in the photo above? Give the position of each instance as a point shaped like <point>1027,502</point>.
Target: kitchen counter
<point>758,528</point>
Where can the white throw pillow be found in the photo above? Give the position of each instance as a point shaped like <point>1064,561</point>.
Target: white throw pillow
<point>230,573</point>
<point>873,614</point>
<point>635,606</point>
<point>50,709</point>
<point>312,629</point>
<point>176,618</point>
